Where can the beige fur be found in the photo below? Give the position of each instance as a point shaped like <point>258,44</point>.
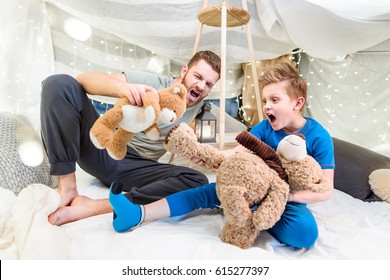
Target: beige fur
<point>118,125</point>
<point>379,181</point>
<point>243,180</point>
<point>303,171</point>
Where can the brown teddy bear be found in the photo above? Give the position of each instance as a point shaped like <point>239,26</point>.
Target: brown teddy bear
<point>303,171</point>
<point>243,181</point>
<point>118,125</point>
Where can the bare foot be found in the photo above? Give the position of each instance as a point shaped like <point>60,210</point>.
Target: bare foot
<point>67,188</point>
<point>67,196</point>
<point>81,207</point>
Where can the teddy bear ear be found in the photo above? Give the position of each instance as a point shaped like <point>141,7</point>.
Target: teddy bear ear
<point>176,90</point>
<point>301,135</point>
<point>181,90</point>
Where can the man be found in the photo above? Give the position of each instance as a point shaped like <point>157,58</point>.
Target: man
<point>67,115</point>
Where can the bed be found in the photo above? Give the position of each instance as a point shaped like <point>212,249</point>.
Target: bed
<point>349,229</point>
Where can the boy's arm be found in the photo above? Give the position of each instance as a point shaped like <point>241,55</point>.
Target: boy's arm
<point>312,197</point>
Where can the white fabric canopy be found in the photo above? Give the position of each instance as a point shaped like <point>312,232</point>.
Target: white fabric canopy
<point>324,29</point>
<point>160,35</point>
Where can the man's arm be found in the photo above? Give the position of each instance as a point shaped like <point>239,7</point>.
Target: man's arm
<point>115,85</point>
<point>96,83</point>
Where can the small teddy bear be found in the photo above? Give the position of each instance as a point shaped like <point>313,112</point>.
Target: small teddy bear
<point>118,125</point>
<point>243,181</point>
<point>303,171</point>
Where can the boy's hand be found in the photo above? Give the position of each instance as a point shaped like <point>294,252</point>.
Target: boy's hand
<point>197,161</point>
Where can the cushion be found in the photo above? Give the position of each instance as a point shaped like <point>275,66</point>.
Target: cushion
<point>23,160</point>
<point>379,182</point>
<point>354,164</point>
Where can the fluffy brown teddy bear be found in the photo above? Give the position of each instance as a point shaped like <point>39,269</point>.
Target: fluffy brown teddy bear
<point>303,171</point>
<point>118,125</point>
<point>243,181</point>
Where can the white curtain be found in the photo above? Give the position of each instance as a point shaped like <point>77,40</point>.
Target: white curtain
<point>159,36</point>
<point>26,54</point>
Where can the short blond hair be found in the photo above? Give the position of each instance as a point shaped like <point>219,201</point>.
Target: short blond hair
<point>283,71</point>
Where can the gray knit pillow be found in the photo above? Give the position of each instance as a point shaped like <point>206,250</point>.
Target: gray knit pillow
<point>14,174</point>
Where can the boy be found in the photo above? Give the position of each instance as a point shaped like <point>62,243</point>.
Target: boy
<point>284,95</point>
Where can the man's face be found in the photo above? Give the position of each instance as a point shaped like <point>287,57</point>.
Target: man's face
<point>199,80</point>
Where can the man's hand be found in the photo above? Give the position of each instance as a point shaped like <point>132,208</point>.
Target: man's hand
<point>135,92</point>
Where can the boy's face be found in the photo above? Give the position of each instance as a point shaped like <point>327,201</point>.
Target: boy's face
<point>199,80</point>
<point>281,111</point>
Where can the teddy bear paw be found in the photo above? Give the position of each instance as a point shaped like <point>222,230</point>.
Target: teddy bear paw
<point>153,134</point>
<point>101,141</point>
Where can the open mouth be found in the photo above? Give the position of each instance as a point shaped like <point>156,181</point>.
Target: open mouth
<point>194,95</point>
<point>271,118</point>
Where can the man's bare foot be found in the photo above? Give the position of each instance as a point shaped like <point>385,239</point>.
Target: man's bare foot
<point>67,188</point>
<point>81,207</point>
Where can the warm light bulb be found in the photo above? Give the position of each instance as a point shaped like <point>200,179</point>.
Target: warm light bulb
<point>77,29</point>
<point>30,152</point>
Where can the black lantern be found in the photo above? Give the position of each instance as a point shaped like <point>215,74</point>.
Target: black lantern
<point>206,125</point>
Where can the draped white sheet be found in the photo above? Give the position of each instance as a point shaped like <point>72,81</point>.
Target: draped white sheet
<point>349,229</point>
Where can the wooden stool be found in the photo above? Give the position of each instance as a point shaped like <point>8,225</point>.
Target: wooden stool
<point>228,16</point>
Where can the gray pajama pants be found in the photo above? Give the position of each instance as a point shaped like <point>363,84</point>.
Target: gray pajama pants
<point>67,115</point>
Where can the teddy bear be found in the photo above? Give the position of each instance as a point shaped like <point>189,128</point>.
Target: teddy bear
<point>118,125</point>
<point>243,181</point>
<point>303,171</point>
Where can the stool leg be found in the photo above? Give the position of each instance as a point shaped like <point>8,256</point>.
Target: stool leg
<point>222,80</point>
<point>253,66</point>
<point>171,158</point>
<point>200,29</point>
<point>197,40</point>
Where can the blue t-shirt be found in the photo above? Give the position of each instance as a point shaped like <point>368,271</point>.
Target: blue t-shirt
<point>319,143</point>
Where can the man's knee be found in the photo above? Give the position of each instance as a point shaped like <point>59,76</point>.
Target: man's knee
<point>202,179</point>
<point>59,87</point>
<point>56,84</point>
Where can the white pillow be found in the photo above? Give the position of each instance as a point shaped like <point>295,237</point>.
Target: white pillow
<point>15,173</point>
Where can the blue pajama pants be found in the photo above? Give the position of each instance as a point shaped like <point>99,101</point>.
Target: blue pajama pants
<point>297,226</point>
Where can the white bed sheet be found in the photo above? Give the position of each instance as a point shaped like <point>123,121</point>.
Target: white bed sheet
<point>348,229</point>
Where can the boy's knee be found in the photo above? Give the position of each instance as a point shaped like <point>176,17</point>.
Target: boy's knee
<point>297,227</point>
<point>305,231</point>
<point>306,235</point>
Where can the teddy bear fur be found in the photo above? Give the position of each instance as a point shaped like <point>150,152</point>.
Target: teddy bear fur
<point>242,181</point>
<point>379,181</point>
<point>303,171</point>
<point>118,125</point>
